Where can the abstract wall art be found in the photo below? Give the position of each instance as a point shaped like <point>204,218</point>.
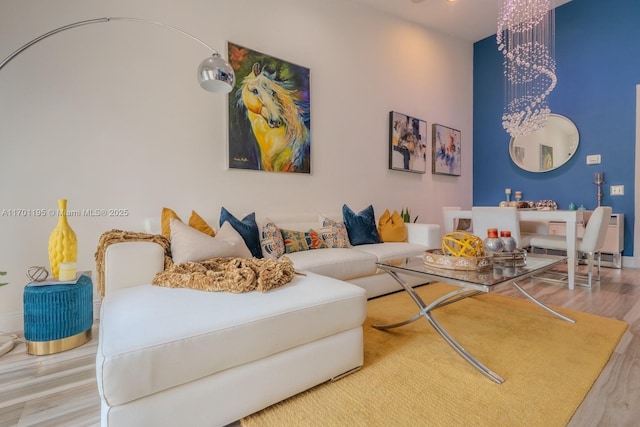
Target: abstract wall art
<point>447,150</point>
<point>407,143</point>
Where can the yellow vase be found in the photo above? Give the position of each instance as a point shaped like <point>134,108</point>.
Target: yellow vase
<point>63,244</point>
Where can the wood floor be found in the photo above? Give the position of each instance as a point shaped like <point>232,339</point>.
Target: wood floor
<point>60,389</point>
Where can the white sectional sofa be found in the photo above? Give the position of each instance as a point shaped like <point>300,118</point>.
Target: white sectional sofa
<point>357,265</point>
<point>171,357</point>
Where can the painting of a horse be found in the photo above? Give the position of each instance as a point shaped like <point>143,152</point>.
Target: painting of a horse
<point>269,116</point>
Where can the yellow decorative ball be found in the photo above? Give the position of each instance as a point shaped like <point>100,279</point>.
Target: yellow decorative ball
<point>462,244</point>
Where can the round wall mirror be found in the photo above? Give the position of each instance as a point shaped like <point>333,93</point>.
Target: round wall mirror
<point>548,148</point>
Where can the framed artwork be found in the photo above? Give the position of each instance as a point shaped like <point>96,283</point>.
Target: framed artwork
<point>407,143</point>
<point>269,113</point>
<point>546,157</point>
<point>447,150</point>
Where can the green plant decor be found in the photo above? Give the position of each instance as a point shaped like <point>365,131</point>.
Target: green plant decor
<point>3,273</point>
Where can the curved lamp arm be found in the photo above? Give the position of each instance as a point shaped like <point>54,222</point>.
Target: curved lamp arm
<point>214,73</point>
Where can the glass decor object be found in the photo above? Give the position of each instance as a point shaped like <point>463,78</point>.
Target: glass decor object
<point>598,181</point>
<point>493,243</point>
<point>526,38</point>
<point>63,244</point>
<point>508,242</point>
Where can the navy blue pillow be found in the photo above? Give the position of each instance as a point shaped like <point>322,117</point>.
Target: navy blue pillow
<point>361,227</point>
<point>247,228</point>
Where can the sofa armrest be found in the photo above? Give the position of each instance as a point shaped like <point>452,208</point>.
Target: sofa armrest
<point>131,263</point>
<point>424,234</point>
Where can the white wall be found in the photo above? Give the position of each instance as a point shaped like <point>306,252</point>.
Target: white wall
<point>84,117</point>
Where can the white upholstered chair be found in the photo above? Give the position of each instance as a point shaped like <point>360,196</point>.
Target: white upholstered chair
<point>456,224</point>
<point>590,244</point>
<point>502,218</point>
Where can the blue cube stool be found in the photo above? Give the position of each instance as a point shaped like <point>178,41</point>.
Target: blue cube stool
<point>58,317</point>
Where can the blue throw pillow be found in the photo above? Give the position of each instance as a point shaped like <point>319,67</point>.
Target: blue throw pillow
<point>248,229</point>
<point>361,227</point>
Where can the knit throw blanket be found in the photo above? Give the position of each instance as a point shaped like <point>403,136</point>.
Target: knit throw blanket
<point>217,274</point>
<point>228,274</point>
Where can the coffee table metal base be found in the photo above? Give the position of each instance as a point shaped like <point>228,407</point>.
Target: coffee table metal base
<point>451,297</point>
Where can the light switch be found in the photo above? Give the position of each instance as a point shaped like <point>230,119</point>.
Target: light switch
<point>593,159</point>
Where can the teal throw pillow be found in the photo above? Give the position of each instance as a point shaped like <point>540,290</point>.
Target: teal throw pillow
<point>361,227</point>
<point>248,229</point>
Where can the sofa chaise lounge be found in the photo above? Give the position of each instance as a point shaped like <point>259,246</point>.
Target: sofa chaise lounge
<point>186,357</point>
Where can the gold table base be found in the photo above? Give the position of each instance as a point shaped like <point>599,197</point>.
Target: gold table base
<point>40,348</point>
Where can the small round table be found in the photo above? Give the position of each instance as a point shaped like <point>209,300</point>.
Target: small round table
<point>58,317</point>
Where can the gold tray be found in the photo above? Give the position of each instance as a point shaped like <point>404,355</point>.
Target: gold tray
<point>435,258</point>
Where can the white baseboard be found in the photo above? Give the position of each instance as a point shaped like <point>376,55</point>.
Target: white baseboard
<point>630,262</point>
<point>11,322</point>
<point>14,322</point>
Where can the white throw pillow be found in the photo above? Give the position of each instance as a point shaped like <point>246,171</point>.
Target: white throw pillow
<point>189,244</point>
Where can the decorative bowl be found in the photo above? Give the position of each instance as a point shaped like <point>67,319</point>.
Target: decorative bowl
<point>435,258</point>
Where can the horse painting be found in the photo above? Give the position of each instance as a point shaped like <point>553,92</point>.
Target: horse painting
<point>276,115</point>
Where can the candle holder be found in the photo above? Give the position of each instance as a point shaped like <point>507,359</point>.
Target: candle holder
<point>598,181</point>
<point>518,196</point>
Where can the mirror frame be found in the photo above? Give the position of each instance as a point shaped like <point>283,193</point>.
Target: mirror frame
<point>559,134</point>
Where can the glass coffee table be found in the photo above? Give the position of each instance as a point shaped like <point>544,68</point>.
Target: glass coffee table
<point>470,282</point>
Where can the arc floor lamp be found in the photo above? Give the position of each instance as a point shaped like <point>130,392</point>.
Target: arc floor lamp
<point>214,73</point>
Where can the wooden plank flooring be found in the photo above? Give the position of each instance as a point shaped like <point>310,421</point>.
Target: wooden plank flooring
<point>60,389</point>
<point>55,390</point>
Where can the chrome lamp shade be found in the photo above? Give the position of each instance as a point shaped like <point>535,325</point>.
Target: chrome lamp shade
<point>216,75</point>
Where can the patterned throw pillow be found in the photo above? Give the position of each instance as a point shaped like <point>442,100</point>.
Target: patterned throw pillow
<point>271,241</point>
<point>361,226</point>
<point>248,229</point>
<point>334,233</point>
<point>295,241</point>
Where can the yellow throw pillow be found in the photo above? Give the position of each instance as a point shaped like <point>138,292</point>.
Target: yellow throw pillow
<point>165,221</point>
<point>200,224</point>
<point>195,221</point>
<point>391,227</point>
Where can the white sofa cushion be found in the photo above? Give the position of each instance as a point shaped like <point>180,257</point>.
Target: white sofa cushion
<point>186,334</point>
<point>339,263</point>
<point>392,250</point>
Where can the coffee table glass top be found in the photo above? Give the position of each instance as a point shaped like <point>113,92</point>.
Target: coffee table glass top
<point>470,283</point>
<point>501,272</point>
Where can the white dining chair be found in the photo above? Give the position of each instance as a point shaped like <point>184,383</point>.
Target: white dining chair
<point>503,218</point>
<point>590,244</point>
<point>457,224</point>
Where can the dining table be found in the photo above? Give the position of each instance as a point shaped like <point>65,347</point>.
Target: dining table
<point>569,217</point>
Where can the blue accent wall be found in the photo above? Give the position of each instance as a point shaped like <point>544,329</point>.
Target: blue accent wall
<point>598,68</point>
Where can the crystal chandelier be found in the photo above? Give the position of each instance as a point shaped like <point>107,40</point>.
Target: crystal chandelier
<point>525,36</point>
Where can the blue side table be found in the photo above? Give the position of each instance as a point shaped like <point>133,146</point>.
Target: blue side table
<point>58,317</point>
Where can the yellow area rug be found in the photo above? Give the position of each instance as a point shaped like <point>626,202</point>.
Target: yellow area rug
<point>411,376</point>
